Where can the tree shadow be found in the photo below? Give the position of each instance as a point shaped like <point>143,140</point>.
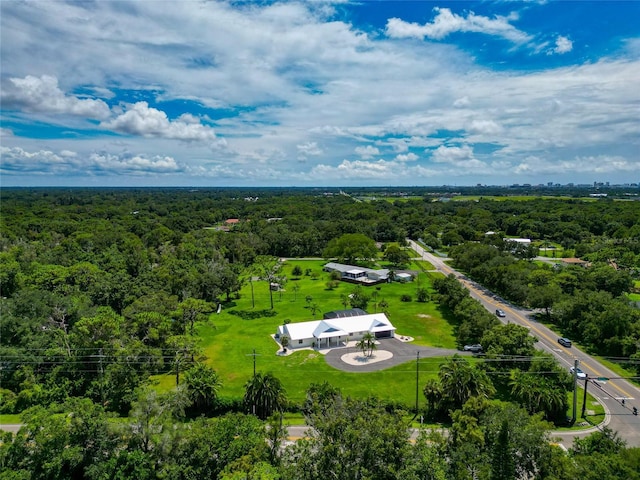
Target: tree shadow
<point>253,315</point>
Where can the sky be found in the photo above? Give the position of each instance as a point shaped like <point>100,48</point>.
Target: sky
<point>319,93</point>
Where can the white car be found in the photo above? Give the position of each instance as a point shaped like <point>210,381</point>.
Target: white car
<point>581,375</point>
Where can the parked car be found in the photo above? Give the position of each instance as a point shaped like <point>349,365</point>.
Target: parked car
<point>565,342</point>
<point>500,313</point>
<point>581,375</point>
<point>477,348</point>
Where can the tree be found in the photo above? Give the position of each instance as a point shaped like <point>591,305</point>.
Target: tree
<point>460,380</point>
<point>209,447</point>
<point>182,351</point>
<point>264,395</point>
<point>422,295</point>
<point>358,299</point>
<point>539,394</point>
<point>189,312</point>
<point>202,386</point>
<point>315,308</point>
<point>351,247</point>
<point>502,462</point>
<point>284,341</point>
<point>268,268</point>
<point>545,297</point>
<point>61,441</point>
<point>367,344</point>
<point>396,256</point>
<point>349,439</point>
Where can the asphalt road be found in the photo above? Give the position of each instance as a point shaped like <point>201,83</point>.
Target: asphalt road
<point>610,392</point>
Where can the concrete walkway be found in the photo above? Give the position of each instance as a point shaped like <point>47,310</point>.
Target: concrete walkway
<point>401,353</point>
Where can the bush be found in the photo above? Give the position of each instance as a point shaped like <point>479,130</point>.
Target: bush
<point>422,295</point>
<point>229,405</point>
<point>297,271</point>
<point>405,298</point>
<point>7,401</point>
<point>335,275</point>
<point>332,284</point>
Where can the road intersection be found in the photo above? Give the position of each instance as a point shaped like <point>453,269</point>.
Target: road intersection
<point>617,395</point>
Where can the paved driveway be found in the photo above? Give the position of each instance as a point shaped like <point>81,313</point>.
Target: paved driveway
<point>402,352</point>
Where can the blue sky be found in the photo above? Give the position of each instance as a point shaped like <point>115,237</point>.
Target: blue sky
<point>319,93</point>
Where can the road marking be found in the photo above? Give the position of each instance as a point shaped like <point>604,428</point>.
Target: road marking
<point>539,332</point>
<point>445,268</point>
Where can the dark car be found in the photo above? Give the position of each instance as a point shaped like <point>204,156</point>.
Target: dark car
<point>477,348</point>
<point>565,342</point>
<point>500,313</point>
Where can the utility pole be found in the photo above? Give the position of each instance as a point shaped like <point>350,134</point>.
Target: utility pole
<point>417,378</point>
<point>576,362</point>
<point>584,399</point>
<point>100,356</point>
<point>254,355</point>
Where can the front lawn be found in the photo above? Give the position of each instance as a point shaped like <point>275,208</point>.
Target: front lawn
<point>229,339</point>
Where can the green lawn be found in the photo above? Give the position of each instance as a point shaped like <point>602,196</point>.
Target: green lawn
<point>593,414</point>
<point>9,419</point>
<point>229,339</point>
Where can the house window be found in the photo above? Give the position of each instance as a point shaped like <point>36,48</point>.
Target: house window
<point>351,334</point>
<point>299,342</point>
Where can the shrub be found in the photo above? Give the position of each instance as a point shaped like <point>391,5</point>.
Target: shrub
<point>422,295</point>
<point>332,284</point>
<point>405,298</point>
<point>335,275</point>
<point>297,271</point>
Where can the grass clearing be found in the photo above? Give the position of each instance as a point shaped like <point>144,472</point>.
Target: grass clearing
<point>229,338</point>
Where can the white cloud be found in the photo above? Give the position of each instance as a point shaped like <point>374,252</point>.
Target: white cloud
<point>447,22</point>
<point>45,162</point>
<point>461,102</point>
<point>289,80</point>
<point>6,132</point>
<point>563,45</point>
<point>485,127</point>
<point>42,94</point>
<point>596,165</point>
<point>367,152</point>
<point>140,119</point>
<point>309,149</point>
<point>408,157</point>
<point>444,154</point>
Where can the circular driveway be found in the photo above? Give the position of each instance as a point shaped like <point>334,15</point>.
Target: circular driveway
<point>402,352</point>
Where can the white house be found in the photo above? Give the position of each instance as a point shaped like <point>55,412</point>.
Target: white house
<point>336,332</point>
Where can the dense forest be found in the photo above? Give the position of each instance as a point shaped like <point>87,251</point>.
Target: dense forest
<point>101,288</point>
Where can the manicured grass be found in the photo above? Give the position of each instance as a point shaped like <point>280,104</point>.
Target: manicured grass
<point>9,419</point>
<point>594,412</point>
<point>620,370</point>
<point>229,339</point>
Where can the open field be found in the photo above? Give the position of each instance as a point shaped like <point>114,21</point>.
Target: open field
<point>229,338</point>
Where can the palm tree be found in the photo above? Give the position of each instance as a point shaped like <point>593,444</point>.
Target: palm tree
<point>202,385</point>
<point>264,395</point>
<point>460,381</point>
<point>362,345</point>
<point>315,308</point>
<point>433,393</point>
<point>371,342</point>
<point>367,344</point>
<point>538,394</point>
